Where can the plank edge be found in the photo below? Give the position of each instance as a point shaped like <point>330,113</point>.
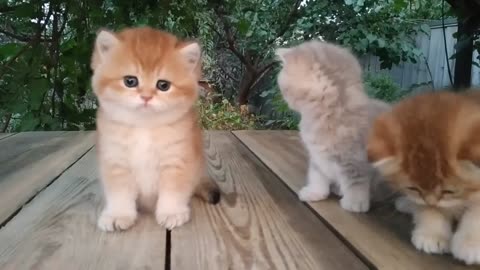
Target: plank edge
<point>36,193</point>
<point>327,224</point>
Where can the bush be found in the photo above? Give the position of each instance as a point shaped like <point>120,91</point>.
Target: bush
<point>383,87</point>
<point>280,115</point>
<point>217,113</point>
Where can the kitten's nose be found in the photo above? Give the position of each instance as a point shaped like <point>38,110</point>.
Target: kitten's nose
<point>146,98</point>
<point>431,200</point>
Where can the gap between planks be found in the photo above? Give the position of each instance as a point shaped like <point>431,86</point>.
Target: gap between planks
<point>382,235</point>
<point>352,248</point>
<point>6,135</point>
<point>258,223</point>
<point>42,189</point>
<point>37,158</point>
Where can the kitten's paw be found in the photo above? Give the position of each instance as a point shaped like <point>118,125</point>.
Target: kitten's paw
<point>431,242</point>
<point>172,219</point>
<point>109,222</point>
<point>355,203</point>
<point>466,247</point>
<point>311,194</point>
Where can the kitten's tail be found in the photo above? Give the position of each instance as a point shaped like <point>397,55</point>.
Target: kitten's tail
<point>208,190</point>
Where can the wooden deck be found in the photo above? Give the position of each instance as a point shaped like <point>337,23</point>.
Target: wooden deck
<point>50,198</point>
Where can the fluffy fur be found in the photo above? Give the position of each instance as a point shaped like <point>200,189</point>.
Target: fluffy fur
<point>428,147</point>
<point>149,143</point>
<point>323,82</point>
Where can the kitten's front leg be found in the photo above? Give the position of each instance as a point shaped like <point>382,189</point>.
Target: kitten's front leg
<point>354,178</point>
<point>120,191</point>
<point>318,185</point>
<point>356,195</point>
<point>466,241</point>
<point>432,230</point>
<point>175,192</point>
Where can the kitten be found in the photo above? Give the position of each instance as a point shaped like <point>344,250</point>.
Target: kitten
<point>149,143</point>
<point>428,147</point>
<point>323,82</point>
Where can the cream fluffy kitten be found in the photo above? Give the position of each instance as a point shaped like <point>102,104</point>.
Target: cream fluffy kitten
<point>149,143</point>
<point>323,82</point>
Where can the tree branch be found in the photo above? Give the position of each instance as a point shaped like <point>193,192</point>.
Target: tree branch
<point>229,37</point>
<point>32,42</point>
<point>262,73</point>
<point>8,117</point>
<point>21,37</point>
<point>288,21</point>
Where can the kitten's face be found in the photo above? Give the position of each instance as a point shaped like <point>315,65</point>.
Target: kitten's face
<point>145,72</point>
<point>452,190</point>
<point>428,148</point>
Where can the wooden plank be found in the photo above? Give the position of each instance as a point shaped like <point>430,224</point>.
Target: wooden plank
<point>31,160</point>
<point>5,135</point>
<point>57,230</point>
<point>382,235</point>
<point>258,224</point>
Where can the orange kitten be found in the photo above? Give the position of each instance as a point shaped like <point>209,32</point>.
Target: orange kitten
<point>149,144</point>
<point>428,147</point>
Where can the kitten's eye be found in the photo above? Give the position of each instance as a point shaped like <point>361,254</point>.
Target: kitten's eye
<point>163,85</point>
<point>130,81</point>
<point>447,192</point>
<point>414,189</point>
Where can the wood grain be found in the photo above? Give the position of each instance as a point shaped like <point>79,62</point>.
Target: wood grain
<point>57,230</point>
<point>382,235</point>
<point>5,135</point>
<point>259,224</point>
<point>31,160</point>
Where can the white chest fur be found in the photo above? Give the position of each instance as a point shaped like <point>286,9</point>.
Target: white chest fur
<point>144,159</point>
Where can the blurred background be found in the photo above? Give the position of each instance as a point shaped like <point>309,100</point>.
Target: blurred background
<point>403,45</point>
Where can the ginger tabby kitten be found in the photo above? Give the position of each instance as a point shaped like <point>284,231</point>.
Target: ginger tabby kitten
<point>149,143</point>
<point>428,147</point>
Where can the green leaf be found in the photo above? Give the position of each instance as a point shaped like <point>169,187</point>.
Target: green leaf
<point>29,122</point>
<point>381,43</point>
<point>425,28</point>
<point>40,87</point>
<point>8,50</point>
<point>243,26</point>
<point>371,38</point>
<point>25,10</point>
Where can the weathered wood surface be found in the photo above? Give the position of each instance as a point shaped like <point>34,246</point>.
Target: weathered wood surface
<point>382,235</point>
<point>31,160</point>
<point>259,224</point>
<point>57,230</point>
<point>6,135</point>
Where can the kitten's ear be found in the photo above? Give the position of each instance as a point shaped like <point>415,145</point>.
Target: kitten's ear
<point>104,43</point>
<point>469,170</point>
<point>283,54</point>
<point>193,54</point>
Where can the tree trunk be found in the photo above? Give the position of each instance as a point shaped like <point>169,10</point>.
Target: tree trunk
<point>463,62</point>
<point>248,80</point>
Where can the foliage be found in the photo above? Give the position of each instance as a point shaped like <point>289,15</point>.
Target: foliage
<point>382,87</point>
<point>45,48</point>
<point>388,29</point>
<point>223,115</point>
<point>281,116</point>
